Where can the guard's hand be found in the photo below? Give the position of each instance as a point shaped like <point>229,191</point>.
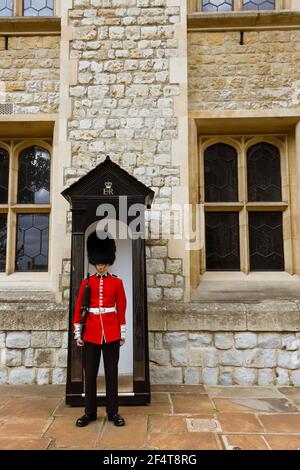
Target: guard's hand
<point>122,341</point>
<point>79,342</point>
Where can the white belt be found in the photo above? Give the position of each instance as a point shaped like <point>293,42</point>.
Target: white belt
<point>98,310</point>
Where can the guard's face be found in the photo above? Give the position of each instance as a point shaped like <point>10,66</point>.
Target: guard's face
<point>102,268</point>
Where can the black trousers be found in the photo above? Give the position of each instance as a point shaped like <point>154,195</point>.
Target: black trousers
<point>91,361</point>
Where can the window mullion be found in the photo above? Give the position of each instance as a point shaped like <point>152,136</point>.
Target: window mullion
<point>238,5</point>
<point>18,7</point>
<point>244,221</point>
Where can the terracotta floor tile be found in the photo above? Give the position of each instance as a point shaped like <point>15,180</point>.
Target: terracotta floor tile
<point>191,404</point>
<point>239,422</point>
<point>283,442</point>
<point>30,407</point>
<point>189,441</point>
<point>244,442</point>
<point>160,403</point>
<point>281,422</point>
<point>66,434</point>
<point>279,405</point>
<point>242,392</point>
<point>24,428</point>
<point>290,392</point>
<point>23,444</point>
<point>167,425</point>
<point>132,435</point>
<point>32,390</point>
<point>178,388</point>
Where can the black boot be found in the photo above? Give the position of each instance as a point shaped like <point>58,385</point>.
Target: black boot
<point>85,420</point>
<point>117,419</point>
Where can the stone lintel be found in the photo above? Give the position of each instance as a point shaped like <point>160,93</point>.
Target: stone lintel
<point>200,316</point>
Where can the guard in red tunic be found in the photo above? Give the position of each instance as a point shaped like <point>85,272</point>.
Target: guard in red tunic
<point>105,329</point>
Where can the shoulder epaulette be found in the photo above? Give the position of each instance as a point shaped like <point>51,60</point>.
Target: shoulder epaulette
<point>114,275</point>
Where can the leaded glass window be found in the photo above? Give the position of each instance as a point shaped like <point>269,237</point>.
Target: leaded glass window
<point>3,239</point>
<point>32,242</point>
<point>4,169</point>
<point>259,4</point>
<point>222,241</point>
<point>34,176</point>
<point>38,8</point>
<point>266,241</point>
<point>264,176</point>
<point>217,5</point>
<point>220,173</point>
<point>6,7</point>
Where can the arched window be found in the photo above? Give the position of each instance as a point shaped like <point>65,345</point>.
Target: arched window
<point>3,239</point>
<point>4,171</point>
<point>259,5</point>
<point>34,176</point>
<point>32,242</point>
<point>220,173</point>
<point>263,169</point>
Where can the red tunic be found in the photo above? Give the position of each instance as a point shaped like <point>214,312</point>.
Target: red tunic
<point>106,291</point>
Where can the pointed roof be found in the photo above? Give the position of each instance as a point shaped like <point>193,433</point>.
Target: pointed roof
<point>93,183</point>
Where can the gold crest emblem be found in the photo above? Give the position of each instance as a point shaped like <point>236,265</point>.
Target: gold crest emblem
<point>108,189</point>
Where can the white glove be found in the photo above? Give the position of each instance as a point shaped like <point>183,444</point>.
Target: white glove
<point>123,332</point>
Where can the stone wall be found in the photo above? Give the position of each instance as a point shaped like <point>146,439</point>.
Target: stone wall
<point>123,105</point>
<point>261,73</point>
<point>33,357</point>
<point>225,343</point>
<point>224,358</point>
<point>33,338</point>
<point>30,73</point>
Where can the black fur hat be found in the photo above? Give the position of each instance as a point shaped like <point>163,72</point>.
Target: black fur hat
<point>101,251</point>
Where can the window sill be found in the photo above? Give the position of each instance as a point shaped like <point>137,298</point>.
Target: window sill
<point>243,20</point>
<point>13,26</point>
<point>20,282</point>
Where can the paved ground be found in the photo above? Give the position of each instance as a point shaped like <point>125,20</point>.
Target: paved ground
<point>179,417</point>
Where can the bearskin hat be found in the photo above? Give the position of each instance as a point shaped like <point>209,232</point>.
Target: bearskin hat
<point>101,251</point>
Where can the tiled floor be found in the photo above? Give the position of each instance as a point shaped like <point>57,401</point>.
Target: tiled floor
<point>179,418</point>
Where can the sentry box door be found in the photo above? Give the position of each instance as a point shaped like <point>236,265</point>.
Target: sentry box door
<point>108,183</point>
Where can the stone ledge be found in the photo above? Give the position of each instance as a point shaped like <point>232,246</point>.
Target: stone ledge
<point>30,25</point>
<point>201,316</point>
<point>244,20</point>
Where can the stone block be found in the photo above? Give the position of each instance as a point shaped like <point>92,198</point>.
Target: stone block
<point>224,340</point>
<point>225,376</point>
<point>245,340</point>
<point>21,375</point>
<point>245,376</point>
<point>160,357</point>
<point>231,358</point>
<point>18,340</point>
<point>191,375</point>
<point>42,376</point>
<point>269,341</point>
<point>59,375</point>
<point>179,357</point>
<point>165,375</point>
<point>175,340</point>
<point>289,359</point>
<point>260,358</point>
<point>210,376</point>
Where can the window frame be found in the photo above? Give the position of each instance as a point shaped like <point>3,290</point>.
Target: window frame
<point>15,147</point>
<point>18,10</point>
<point>242,143</point>
<point>195,6</point>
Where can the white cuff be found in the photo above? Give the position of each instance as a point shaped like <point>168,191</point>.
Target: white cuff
<point>123,332</point>
<point>77,330</point>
